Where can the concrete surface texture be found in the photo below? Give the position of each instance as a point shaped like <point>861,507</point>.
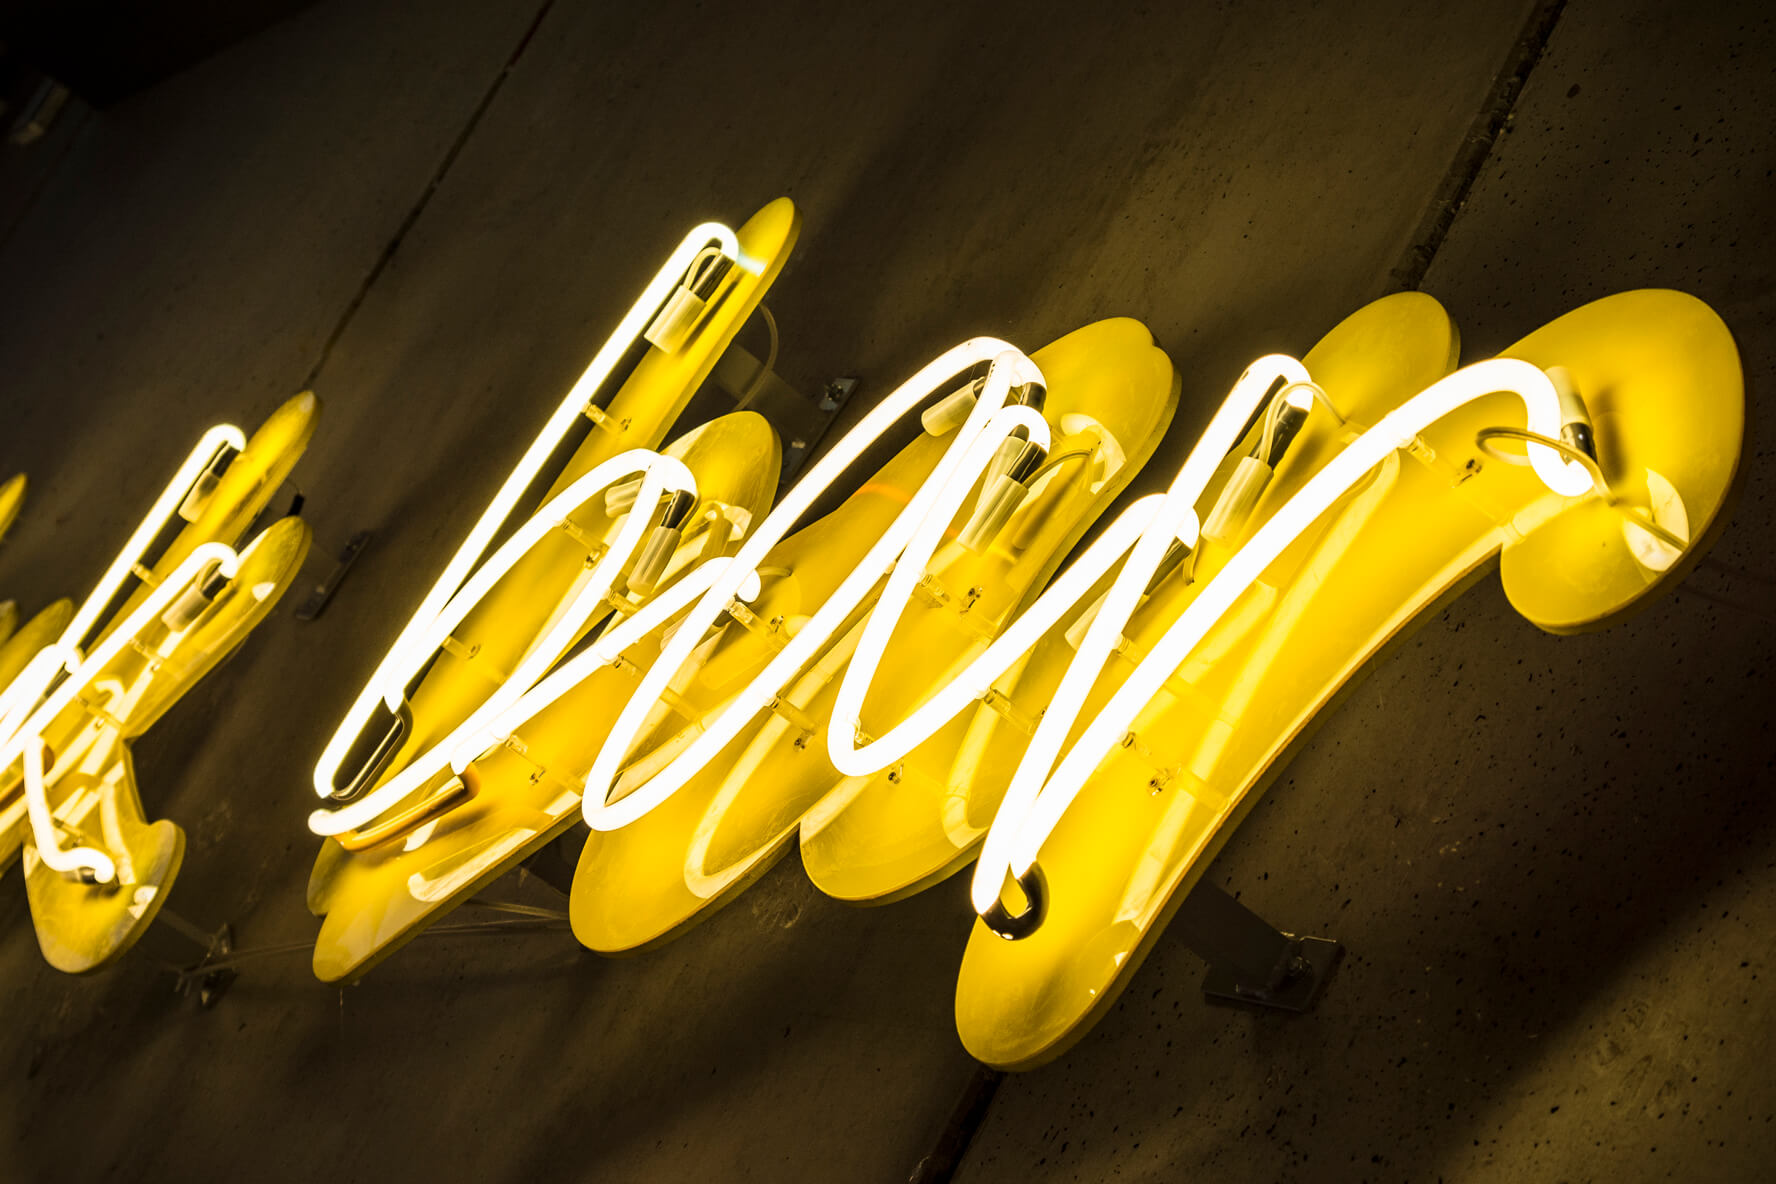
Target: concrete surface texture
<point>1552,860</point>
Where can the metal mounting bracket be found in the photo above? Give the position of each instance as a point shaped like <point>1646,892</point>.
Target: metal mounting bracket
<point>800,421</point>
<point>318,596</point>
<point>554,864</point>
<point>1250,961</point>
<point>186,949</point>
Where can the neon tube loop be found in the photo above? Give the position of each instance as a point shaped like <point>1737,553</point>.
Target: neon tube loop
<point>1161,517</point>
<point>408,654</point>
<point>603,652</point>
<point>24,710</point>
<point>989,423</point>
<point>1041,789</point>
<point>208,450</point>
<point>662,478</point>
<point>26,743</point>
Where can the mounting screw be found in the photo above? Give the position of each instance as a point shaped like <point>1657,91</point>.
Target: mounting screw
<point>835,394</point>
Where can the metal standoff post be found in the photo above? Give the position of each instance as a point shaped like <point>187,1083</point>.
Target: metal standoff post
<point>553,865</point>
<point>322,592</point>
<point>1251,961</point>
<point>800,420</point>
<point>186,949</point>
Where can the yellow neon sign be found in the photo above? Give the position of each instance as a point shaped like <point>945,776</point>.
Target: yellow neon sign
<point>1053,771</point>
<point>455,592</point>
<point>1188,608</point>
<point>1147,545</point>
<point>12,500</point>
<point>96,871</point>
<point>410,825</point>
<point>989,425</point>
<point>1252,649</point>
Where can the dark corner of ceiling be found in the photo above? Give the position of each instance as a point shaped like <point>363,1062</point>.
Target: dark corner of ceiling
<point>106,50</point>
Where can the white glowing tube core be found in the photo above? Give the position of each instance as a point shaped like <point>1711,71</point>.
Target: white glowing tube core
<point>409,650</point>
<point>660,476</point>
<point>24,713</point>
<point>1042,790</point>
<point>1139,521</point>
<point>26,742</point>
<point>987,424</point>
<point>209,446</point>
<point>604,651</point>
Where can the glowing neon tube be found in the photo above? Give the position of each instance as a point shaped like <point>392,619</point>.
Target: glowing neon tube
<point>1041,790</point>
<point>409,651</point>
<point>17,699</point>
<point>987,424</point>
<point>605,651</point>
<point>660,475</point>
<point>35,679</point>
<point>24,714</point>
<point>26,742</point>
<point>1139,522</point>
<point>209,447</point>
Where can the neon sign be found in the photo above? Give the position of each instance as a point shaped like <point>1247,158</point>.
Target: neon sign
<point>410,828</point>
<point>1020,454</point>
<point>1219,573</point>
<point>96,870</point>
<point>907,683</point>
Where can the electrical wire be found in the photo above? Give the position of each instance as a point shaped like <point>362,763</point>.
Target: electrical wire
<point>758,380</point>
<point>1057,459</point>
<point>1484,439</point>
<point>472,929</point>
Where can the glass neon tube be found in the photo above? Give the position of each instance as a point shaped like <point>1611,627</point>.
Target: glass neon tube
<point>24,713</point>
<point>988,423</point>
<point>605,651</point>
<point>409,651</point>
<point>26,743</point>
<point>660,476</point>
<point>1041,790</point>
<point>1137,527</point>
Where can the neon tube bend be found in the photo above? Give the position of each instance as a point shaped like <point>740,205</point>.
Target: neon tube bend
<point>660,476</point>
<point>23,714</point>
<point>1041,791</point>
<point>989,422</point>
<point>1132,525</point>
<point>404,657</point>
<point>27,742</point>
<point>209,447</point>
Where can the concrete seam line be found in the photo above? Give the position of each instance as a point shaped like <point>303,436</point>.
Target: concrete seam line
<point>959,1129</point>
<point>1476,147</point>
<point>394,243</point>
